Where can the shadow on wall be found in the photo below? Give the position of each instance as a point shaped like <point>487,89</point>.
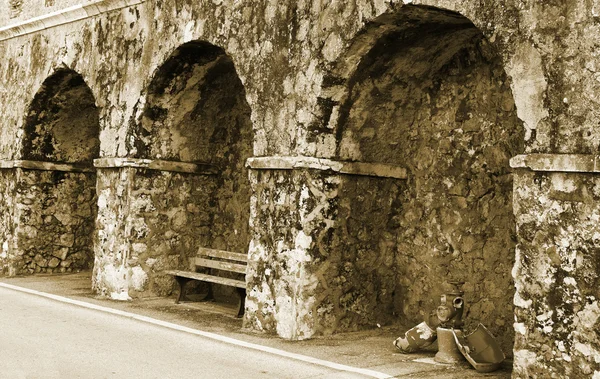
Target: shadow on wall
<point>56,209</point>
<point>423,89</point>
<point>195,111</point>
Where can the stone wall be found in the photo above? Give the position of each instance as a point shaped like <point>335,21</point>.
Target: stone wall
<point>297,61</point>
<point>333,267</point>
<point>166,217</point>
<point>442,107</point>
<point>557,275</point>
<point>194,112</point>
<point>8,254</point>
<point>113,274</point>
<point>287,278</point>
<point>55,217</point>
<point>54,208</point>
<point>363,276</point>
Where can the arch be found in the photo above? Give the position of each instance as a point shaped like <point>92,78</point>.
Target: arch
<point>62,122</point>
<point>195,111</point>
<point>56,184</point>
<point>422,88</point>
<point>190,111</point>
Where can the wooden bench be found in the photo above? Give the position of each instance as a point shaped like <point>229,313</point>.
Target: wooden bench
<point>214,259</point>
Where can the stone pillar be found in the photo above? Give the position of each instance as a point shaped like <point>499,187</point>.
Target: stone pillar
<point>296,262</point>
<point>152,216</point>
<point>113,272</point>
<point>557,268</point>
<point>8,253</point>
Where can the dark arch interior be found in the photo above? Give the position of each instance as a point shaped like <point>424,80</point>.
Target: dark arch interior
<point>58,208</point>
<point>196,111</point>
<point>62,123</point>
<point>432,96</point>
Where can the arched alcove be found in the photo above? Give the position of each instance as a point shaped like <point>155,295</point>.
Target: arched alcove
<point>195,112</point>
<point>55,188</point>
<point>423,89</point>
<point>62,121</point>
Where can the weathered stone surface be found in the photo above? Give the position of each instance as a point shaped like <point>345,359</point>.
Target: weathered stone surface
<point>290,213</point>
<point>8,253</point>
<point>343,167</point>
<point>53,262</point>
<point>55,195</point>
<point>67,239</point>
<point>45,166</point>
<point>557,318</point>
<point>442,107</point>
<point>314,88</point>
<point>195,110</point>
<point>557,162</point>
<point>160,165</point>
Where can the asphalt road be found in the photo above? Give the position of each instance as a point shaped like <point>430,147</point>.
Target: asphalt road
<point>42,338</point>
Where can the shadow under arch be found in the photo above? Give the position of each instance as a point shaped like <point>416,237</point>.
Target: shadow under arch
<point>62,122</point>
<point>422,88</point>
<point>196,112</point>
<point>57,190</point>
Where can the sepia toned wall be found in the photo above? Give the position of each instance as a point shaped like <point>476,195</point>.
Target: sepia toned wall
<point>515,79</point>
<point>556,275</point>
<point>54,206</point>
<point>441,106</point>
<point>8,254</point>
<point>55,214</point>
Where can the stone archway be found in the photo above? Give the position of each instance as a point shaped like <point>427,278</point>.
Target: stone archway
<point>186,179</point>
<point>55,183</point>
<point>423,89</point>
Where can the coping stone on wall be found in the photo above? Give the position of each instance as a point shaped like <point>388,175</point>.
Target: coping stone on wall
<point>46,166</point>
<point>557,162</point>
<point>156,164</point>
<point>350,168</point>
<point>64,16</point>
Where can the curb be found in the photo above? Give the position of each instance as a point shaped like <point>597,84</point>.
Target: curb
<point>213,336</point>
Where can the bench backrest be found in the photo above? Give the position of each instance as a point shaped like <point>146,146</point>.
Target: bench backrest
<point>221,260</point>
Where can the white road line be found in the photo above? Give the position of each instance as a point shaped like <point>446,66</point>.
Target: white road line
<point>217,337</point>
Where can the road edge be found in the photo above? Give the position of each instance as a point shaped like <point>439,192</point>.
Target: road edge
<point>210,335</point>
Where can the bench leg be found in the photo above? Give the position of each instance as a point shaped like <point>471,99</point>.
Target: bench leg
<point>242,293</point>
<point>182,282</point>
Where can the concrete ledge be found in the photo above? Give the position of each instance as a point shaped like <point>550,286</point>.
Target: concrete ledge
<point>349,168</point>
<point>557,162</point>
<point>64,16</point>
<point>46,166</point>
<point>159,165</point>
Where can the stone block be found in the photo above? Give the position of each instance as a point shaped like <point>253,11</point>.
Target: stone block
<point>67,239</point>
<point>61,253</point>
<point>53,262</point>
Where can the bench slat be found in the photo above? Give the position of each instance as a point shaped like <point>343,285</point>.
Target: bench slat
<point>214,253</point>
<point>220,265</point>
<point>207,278</point>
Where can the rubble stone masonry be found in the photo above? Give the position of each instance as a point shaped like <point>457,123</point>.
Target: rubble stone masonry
<point>358,151</point>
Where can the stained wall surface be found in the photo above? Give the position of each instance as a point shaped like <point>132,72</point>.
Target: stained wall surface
<point>166,217</point>
<point>54,209</point>
<point>441,106</point>
<point>55,219</point>
<point>300,66</point>
<point>556,275</point>
<point>8,253</point>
